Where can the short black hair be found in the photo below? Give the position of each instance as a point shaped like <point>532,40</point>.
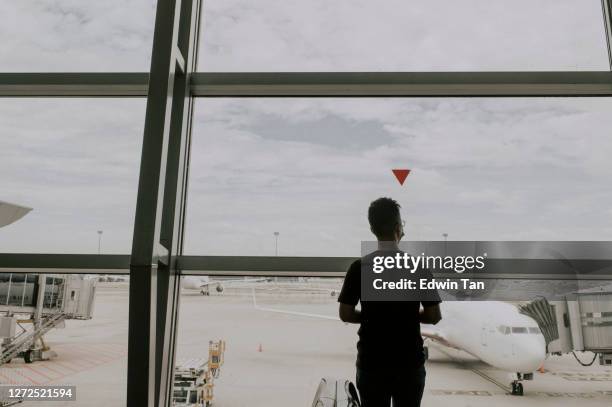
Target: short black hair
<point>383,215</point>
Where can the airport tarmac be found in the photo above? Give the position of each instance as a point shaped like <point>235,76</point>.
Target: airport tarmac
<point>275,359</point>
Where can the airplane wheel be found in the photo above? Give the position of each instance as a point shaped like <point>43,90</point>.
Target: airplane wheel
<point>517,388</point>
<point>28,357</point>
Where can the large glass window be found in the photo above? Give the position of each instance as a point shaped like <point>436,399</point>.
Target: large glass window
<point>75,162</point>
<point>482,169</point>
<point>397,35</point>
<point>281,337</point>
<point>76,36</point>
<point>297,35</point>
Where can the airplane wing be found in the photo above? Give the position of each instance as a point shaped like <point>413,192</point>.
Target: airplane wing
<point>434,334</point>
<point>10,213</point>
<point>427,331</point>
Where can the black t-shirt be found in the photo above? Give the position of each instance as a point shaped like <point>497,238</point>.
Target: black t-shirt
<point>390,331</point>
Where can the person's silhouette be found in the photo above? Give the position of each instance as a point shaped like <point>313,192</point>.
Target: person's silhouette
<point>390,354</point>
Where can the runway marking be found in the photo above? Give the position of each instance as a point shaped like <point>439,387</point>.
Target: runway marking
<point>62,364</point>
<point>20,373</point>
<point>476,371</point>
<point>584,376</point>
<point>553,394</point>
<point>46,366</point>
<point>71,360</point>
<point>436,392</point>
<point>38,372</point>
<point>581,395</point>
<point>8,379</point>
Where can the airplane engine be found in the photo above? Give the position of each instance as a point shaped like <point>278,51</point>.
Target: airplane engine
<point>219,288</point>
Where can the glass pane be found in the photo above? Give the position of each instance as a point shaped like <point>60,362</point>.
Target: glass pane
<point>87,344</point>
<point>75,35</point>
<point>273,355</point>
<point>75,162</point>
<point>397,35</point>
<point>482,169</point>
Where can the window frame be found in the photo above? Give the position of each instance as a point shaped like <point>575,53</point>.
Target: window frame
<point>180,19</point>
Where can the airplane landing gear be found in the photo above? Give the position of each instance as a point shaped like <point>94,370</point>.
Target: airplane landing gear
<point>517,386</point>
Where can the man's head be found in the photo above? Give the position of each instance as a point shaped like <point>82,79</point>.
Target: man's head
<point>385,220</point>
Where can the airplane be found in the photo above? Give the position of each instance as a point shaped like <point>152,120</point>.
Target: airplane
<point>10,213</point>
<point>494,332</point>
<point>203,283</point>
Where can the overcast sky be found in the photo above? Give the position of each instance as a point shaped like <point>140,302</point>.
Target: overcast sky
<point>483,169</point>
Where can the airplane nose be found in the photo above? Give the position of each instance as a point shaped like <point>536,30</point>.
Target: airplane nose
<point>531,355</point>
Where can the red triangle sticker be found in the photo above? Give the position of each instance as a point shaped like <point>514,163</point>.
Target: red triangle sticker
<point>401,175</point>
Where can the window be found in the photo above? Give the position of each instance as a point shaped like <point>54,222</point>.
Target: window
<point>534,330</point>
<point>395,35</point>
<point>289,177</point>
<point>89,339</point>
<point>255,318</point>
<point>77,36</point>
<point>482,169</point>
<point>75,162</point>
<point>519,330</point>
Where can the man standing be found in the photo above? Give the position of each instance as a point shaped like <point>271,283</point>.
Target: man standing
<point>390,354</point>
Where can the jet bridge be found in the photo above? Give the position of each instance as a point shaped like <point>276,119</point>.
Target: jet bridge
<point>583,322</point>
<point>33,304</point>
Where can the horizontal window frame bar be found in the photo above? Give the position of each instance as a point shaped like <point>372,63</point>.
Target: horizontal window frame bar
<point>403,84</point>
<point>77,84</point>
<point>64,263</point>
<point>318,84</point>
<point>269,266</point>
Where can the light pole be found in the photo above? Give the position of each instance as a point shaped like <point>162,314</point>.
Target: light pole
<point>99,239</point>
<point>276,243</point>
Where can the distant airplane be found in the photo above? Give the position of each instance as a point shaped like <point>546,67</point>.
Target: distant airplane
<point>203,283</point>
<point>492,331</point>
<point>10,213</point>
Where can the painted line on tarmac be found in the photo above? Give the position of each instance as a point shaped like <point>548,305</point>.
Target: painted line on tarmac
<point>476,371</point>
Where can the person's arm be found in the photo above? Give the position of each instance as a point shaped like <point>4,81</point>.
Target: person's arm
<point>430,314</point>
<point>349,313</point>
<point>350,294</point>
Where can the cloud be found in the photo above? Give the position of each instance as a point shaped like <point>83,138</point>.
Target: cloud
<point>315,35</point>
<point>395,35</point>
<point>510,168</point>
<point>482,169</point>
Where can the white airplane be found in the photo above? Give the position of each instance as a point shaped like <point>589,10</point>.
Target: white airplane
<point>492,331</point>
<point>204,283</point>
<point>10,213</point>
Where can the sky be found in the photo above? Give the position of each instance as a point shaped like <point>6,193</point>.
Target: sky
<point>482,169</point>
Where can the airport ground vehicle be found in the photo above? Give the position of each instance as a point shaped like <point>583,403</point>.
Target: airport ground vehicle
<point>194,378</point>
